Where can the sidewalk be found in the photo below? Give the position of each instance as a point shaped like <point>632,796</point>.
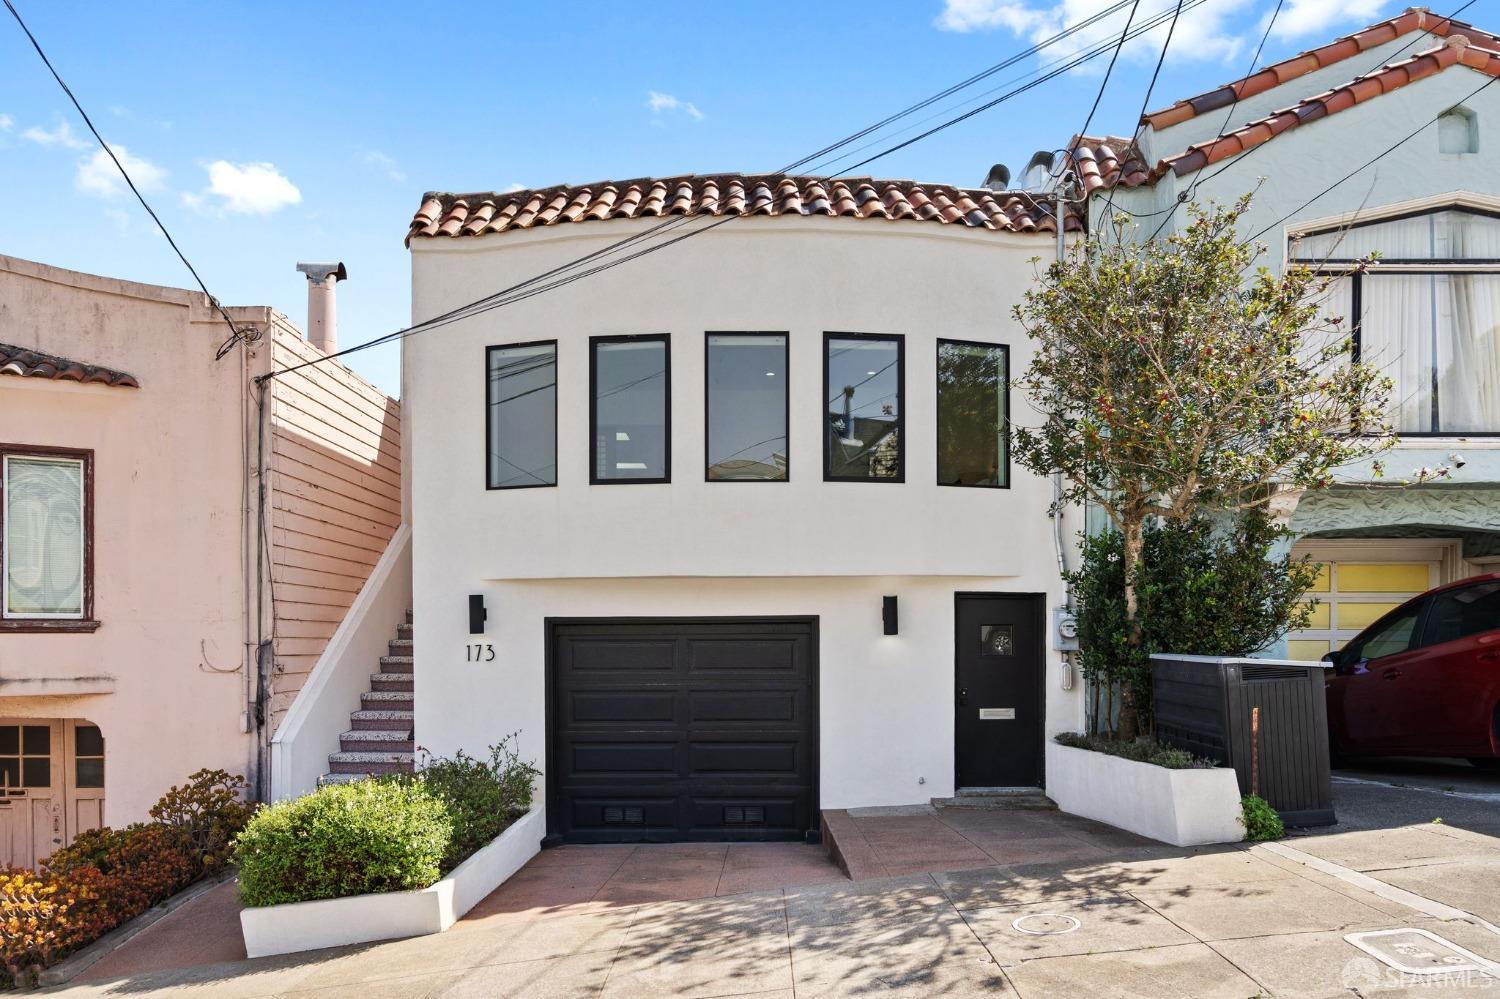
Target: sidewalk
<point>1145,920</point>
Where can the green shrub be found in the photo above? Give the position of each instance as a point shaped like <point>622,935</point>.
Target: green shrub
<point>207,812</point>
<point>1206,588</point>
<point>344,839</point>
<point>1140,750</point>
<point>1260,819</point>
<point>481,797</point>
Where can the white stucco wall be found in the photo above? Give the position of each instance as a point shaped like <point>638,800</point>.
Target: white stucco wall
<point>804,547</point>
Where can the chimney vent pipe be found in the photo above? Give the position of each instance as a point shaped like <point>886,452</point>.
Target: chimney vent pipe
<point>322,304</point>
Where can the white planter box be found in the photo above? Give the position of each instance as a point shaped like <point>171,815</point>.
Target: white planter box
<point>336,922</point>
<point>1181,807</point>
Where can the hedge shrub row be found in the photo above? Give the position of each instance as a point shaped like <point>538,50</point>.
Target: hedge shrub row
<point>1142,750</point>
<point>396,833</point>
<point>108,876</point>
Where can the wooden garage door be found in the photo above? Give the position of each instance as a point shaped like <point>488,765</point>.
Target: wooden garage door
<point>682,729</point>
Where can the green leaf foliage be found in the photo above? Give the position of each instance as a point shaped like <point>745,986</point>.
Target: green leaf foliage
<point>1206,587</point>
<point>1260,819</point>
<point>1139,750</point>
<point>482,797</point>
<point>344,839</point>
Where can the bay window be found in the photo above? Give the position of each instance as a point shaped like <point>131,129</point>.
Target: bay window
<point>863,379</point>
<point>630,381</point>
<point>972,422</point>
<point>745,402</point>
<point>1427,313</point>
<point>521,422</point>
<point>45,517</point>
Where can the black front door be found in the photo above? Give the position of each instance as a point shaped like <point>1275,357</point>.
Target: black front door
<point>997,727</point>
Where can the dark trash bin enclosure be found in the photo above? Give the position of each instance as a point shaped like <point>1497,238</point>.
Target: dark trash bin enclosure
<point>1205,705</point>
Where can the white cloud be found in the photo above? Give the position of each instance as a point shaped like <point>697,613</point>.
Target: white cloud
<point>1300,18</point>
<point>62,136</point>
<point>514,188</point>
<point>98,175</point>
<point>245,189</point>
<point>659,102</point>
<point>6,123</point>
<point>377,160</point>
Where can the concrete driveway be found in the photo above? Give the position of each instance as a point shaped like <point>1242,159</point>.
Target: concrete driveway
<point>1108,915</point>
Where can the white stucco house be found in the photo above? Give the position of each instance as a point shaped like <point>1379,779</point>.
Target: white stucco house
<point>730,534</point>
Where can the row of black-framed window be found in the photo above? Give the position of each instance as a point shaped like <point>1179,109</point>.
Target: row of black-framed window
<point>747,410</point>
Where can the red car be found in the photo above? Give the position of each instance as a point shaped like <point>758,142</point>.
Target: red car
<point>1424,680</point>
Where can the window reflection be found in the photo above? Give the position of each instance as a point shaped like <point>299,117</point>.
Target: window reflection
<point>746,400</point>
<point>862,438</point>
<point>971,406</point>
<point>630,378</point>
<point>523,416</point>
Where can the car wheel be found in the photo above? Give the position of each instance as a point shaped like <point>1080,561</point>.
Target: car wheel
<point>1485,762</point>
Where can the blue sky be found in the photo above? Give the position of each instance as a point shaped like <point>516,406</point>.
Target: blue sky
<point>267,132</point>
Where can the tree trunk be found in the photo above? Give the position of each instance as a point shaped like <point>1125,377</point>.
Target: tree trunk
<point>1134,542</point>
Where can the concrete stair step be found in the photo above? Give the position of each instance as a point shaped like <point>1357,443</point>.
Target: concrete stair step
<point>396,664</point>
<point>391,681</point>
<point>997,798</point>
<point>390,700</point>
<point>408,619</point>
<point>371,763</point>
<point>380,719</point>
<point>340,778</point>
<point>401,647</point>
<point>377,740</point>
<point>403,631</point>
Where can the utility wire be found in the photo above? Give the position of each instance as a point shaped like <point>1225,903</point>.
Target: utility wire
<point>531,286</point>
<point>1235,161</point>
<point>1104,83</point>
<point>1145,101</point>
<point>234,333</point>
<point>1374,159</point>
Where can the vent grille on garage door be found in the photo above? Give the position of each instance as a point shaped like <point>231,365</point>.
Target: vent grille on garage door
<point>630,815</point>
<point>743,815</point>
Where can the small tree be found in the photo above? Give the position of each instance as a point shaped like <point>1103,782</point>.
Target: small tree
<point>1168,384</point>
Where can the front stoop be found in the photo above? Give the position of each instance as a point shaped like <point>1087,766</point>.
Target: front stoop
<point>380,739</point>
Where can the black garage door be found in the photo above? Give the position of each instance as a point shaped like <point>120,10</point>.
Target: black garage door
<point>682,729</point>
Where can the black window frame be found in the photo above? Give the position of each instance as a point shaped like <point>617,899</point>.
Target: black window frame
<point>937,415</point>
<point>1353,269</point>
<point>488,436</point>
<point>899,339</point>
<point>594,342</point>
<point>786,399</point>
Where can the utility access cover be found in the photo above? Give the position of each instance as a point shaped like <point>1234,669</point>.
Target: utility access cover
<point>1041,924</point>
<point>1420,952</point>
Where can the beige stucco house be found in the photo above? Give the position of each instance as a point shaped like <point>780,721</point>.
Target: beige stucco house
<point>178,547</point>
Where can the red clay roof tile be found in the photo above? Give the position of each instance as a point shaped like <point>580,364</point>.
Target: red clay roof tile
<point>28,363</point>
<point>1412,19</point>
<point>769,195</point>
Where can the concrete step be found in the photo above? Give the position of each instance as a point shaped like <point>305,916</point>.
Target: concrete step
<point>371,763</point>
<point>387,700</point>
<point>401,647</point>
<point>380,719</point>
<point>340,778</point>
<point>408,619</point>
<point>396,664</point>
<point>377,740</point>
<point>1018,798</point>
<point>391,681</point>
<point>403,631</point>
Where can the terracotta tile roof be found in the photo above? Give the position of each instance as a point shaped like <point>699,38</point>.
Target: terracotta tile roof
<point>1412,19</point>
<point>1455,50</point>
<point>770,195</point>
<point>34,364</point>
<point>1112,161</point>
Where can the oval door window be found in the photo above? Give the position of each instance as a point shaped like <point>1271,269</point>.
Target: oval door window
<point>997,640</point>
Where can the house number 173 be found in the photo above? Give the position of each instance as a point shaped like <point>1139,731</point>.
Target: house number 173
<point>479,652</point>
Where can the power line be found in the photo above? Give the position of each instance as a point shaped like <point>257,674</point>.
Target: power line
<point>528,288</point>
<point>234,332</point>
<point>1203,179</point>
<point>1104,83</point>
<point>1145,101</point>
<point>1374,159</point>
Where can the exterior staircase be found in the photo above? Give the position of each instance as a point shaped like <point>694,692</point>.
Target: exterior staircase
<point>379,740</point>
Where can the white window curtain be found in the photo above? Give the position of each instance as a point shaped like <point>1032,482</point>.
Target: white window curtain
<point>1449,235</point>
<point>1438,336</point>
<point>44,542</point>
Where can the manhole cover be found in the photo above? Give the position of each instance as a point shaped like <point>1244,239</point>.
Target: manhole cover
<point>1420,952</point>
<point>1041,924</point>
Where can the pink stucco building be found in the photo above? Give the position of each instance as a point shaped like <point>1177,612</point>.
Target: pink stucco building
<point>177,545</point>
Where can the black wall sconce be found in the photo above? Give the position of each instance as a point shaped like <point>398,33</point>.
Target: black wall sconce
<point>477,614</point>
<point>888,614</point>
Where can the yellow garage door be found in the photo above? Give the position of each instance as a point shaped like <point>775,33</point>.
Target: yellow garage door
<point>1354,590</point>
